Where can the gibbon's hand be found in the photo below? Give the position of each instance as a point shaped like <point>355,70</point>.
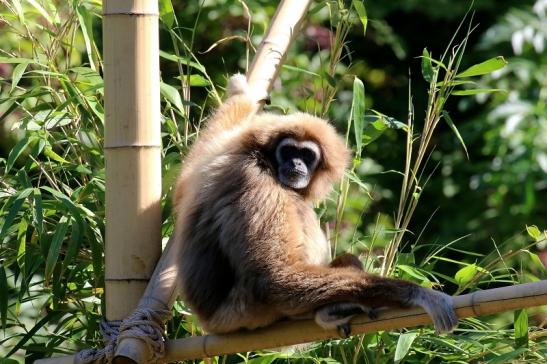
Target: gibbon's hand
<point>238,85</point>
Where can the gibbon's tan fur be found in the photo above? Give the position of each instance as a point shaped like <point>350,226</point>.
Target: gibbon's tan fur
<point>252,248</point>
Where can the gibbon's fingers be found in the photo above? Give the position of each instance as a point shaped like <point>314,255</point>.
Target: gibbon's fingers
<point>439,306</point>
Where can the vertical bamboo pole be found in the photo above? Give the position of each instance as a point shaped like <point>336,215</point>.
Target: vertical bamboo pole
<point>132,151</point>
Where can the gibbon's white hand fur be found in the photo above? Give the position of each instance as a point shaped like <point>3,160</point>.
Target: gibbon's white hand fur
<point>252,248</point>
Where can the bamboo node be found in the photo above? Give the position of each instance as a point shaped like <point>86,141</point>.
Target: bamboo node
<point>473,307</point>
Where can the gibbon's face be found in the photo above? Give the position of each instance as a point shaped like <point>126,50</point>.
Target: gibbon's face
<point>296,162</point>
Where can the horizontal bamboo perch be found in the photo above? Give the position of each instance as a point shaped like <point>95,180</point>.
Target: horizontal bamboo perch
<point>284,333</point>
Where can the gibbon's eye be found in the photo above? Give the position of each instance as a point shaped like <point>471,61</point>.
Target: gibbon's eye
<point>308,156</point>
<point>287,152</point>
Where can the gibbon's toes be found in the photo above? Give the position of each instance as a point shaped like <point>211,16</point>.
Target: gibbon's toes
<point>237,85</point>
<point>372,313</point>
<point>338,315</point>
<point>441,309</point>
<point>344,330</point>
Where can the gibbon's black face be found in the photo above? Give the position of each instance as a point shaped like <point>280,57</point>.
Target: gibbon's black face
<point>296,162</point>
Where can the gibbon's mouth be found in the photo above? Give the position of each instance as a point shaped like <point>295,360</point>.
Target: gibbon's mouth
<point>293,178</point>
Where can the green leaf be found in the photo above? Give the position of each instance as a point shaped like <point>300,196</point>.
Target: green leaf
<point>450,123</point>
<point>3,297</point>
<point>534,232</point>
<point>55,247</point>
<point>17,151</point>
<point>403,345</point>
<point>358,113</point>
<point>172,95</point>
<point>167,13</point>
<point>427,66</point>
<point>413,272</point>
<point>508,357</point>
<point>86,24</point>
<point>466,274</point>
<point>483,68</point>
<point>18,72</point>
<point>196,80</point>
<point>73,245</point>
<point>536,260</point>
<point>521,328</point>
<point>56,157</point>
<point>362,13</point>
<point>14,209</point>
<point>476,91</point>
<point>300,70</point>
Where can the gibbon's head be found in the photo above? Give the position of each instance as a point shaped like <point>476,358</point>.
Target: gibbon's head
<point>304,153</point>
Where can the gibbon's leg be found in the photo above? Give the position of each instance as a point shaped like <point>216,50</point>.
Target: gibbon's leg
<point>300,288</point>
<point>339,315</point>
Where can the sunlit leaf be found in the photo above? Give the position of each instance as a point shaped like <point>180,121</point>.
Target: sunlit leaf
<point>476,91</point>
<point>534,232</point>
<point>361,13</point>
<point>167,13</point>
<point>483,68</point>
<point>403,345</point>
<point>172,95</point>
<point>358,113</point>
<point>521,328</point>
<point>427,66</point>
<point>466,274</point>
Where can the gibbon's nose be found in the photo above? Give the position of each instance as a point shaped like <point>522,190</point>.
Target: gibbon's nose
<point>298,164</point>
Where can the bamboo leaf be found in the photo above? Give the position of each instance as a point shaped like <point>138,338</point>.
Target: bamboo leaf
<point>534,232</point>
<point>14,209</point>
<point>361,13</point>
<point>38,214</point>
<point>167,13</point>
<point>3,297</point>
<point>427,66</point>
<point>358,113</point>
<point>466,274</point>
<point>86,24</point>
<point>403,345</point>
<point>521,328</point>
<point>476,91</point>
<point>450,123</point>
<point>18,72</point>
<point>55,247</point>
<point>172,95</point>
<point>483,68</point>
<point>19,148</point>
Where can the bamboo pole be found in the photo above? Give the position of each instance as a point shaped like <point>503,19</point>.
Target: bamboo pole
<point>285,333</point>
<point>132,151</point>
<point>272,51</point>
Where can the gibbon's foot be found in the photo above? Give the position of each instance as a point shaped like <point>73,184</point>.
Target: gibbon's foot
<point>338,315</point>
<point>237,85</point>
<point>439,306</point>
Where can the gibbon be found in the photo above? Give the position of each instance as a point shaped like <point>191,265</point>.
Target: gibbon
<point>253,251</point>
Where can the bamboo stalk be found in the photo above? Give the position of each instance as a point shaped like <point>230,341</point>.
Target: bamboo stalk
<point>132,151</point>
<point>272,51</point>
<point>285,333</point>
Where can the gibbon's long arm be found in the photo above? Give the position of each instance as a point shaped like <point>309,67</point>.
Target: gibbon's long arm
<point>301,288</point>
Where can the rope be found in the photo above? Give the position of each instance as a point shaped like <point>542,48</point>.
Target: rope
<point>144,323</point>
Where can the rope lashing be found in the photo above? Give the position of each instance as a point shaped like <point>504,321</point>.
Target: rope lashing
<point>144,323</point>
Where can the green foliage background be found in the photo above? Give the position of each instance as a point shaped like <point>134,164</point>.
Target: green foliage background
<point>468,232</point>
